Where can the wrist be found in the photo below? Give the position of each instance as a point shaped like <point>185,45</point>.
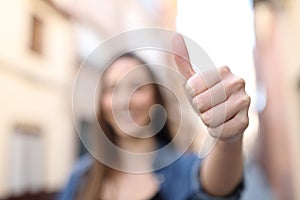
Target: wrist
<point>233,143</point>
<point>234,138</point>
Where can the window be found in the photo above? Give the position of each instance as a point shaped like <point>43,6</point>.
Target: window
<point>36,35</point>
<point>27,158</point>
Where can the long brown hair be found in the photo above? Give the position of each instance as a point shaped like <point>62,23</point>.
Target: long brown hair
<point>99,172</point>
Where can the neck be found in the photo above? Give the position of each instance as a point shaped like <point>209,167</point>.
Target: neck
<point>138,159</point>
<point>138,145</point>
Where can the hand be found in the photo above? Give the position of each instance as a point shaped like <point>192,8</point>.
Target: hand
<point>218,95</point>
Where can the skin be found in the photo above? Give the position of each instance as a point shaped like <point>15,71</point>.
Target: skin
<point>120,79</point>
<point>222,168</point>
<point>124,77</point>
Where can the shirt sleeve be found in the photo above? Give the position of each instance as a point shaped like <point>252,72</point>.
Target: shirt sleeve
<point>200,194</point>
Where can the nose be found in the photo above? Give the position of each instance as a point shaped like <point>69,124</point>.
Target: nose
<point>121,98</point>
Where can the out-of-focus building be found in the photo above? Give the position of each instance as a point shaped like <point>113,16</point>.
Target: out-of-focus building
<point>36,72</point>
<point>277,25</point>
<point>43,43</point>
<point>116,16</point>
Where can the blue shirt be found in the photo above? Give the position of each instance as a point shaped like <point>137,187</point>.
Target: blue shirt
<point>178,181</point>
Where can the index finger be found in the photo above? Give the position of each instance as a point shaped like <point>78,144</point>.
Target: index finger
<point>181,56</point>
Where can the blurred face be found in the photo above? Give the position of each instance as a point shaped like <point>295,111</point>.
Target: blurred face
<point>126,99</point>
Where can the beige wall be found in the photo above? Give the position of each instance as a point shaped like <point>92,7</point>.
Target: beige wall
<point>36,89</point>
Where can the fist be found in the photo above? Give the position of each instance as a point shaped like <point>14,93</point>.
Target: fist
<point>218,96</point>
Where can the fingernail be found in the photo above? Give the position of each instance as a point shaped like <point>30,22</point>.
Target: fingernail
<point>190,89</point>
<point>197,104</point>
<point>206,118</point>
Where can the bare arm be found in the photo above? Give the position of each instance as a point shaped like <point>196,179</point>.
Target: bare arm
<point>222,103</point>
<point>222,170</point>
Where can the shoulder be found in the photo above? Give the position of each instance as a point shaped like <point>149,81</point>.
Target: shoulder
<point>83,164</point>
<point>187,160</point>
<point>180,178</point>
<point>81,167</point>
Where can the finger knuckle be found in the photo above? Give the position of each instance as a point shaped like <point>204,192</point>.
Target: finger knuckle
<point>244,122</point>
<point>234,83</point>
<point>239,83</point>
<point>230,84</point>
<point>245,101</point>
<point>224,70</point>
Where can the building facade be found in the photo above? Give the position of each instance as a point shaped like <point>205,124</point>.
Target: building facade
<point>43,43</point>
<point>36,72</point>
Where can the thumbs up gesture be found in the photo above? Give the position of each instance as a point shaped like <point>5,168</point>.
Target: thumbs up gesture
<point>218,96</point>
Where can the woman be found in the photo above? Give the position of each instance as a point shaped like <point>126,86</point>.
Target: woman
<point>218,176</point>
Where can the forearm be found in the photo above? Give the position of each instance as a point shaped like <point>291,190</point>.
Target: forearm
<point>228,111</point>
<point>222,169</point>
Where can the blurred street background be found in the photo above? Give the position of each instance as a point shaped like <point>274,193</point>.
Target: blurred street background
<point>44,42</point>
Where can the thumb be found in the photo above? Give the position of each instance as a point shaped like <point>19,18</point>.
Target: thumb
<point>181,56</point>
